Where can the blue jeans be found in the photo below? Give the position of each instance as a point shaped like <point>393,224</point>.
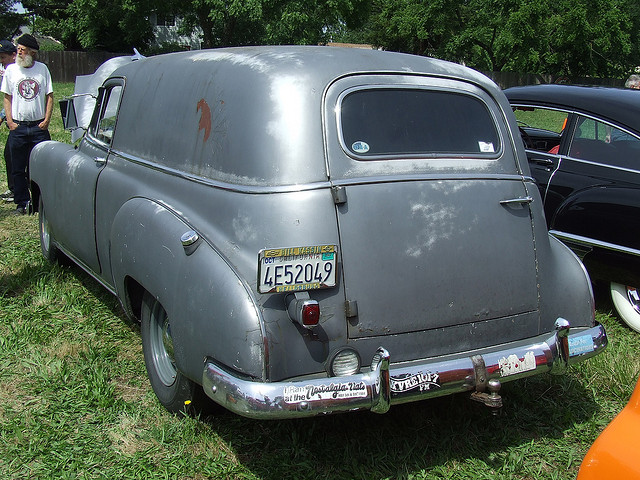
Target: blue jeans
<point>21,141</point>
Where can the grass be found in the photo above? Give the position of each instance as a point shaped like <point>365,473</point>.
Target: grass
<point>75,402</point>
<point>545,118</point>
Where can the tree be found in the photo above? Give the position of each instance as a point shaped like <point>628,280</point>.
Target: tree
<point>119,25</point>
<point>255,22</point>
<point>10,19</point>
<point>570,37</point>
<point>115,26</point>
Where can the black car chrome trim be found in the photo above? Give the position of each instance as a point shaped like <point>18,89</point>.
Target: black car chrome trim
<point>598,164</point>
<point>572,111</point>
<point>592,242</point>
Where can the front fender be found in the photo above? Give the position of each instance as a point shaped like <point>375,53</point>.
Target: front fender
<point>44,162</point>
<point>211,311</point>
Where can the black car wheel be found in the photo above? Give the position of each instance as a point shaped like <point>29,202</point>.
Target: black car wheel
<point>626,299</point>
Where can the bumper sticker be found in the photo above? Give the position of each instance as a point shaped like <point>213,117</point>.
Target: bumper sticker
<point>406,382</point>
<point>514,365</point>
<point>581,344</point>
<point>333,391</point>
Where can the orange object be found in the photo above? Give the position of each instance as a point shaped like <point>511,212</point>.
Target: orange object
<point>615,452</point>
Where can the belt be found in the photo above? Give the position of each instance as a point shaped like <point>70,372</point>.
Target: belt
<point>29,123</point>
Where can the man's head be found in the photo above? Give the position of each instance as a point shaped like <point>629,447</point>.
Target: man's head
<point>27,49</point>
<point>7,53</point>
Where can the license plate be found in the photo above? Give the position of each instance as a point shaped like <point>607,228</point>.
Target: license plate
<point>294,269</point>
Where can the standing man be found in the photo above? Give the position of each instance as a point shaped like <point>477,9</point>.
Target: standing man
<point>28,104</point>
<point>7,57</point>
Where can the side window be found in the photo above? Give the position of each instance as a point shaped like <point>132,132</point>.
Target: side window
<point>541,128</point>
<point>106,123</point>
<point>601,142</point>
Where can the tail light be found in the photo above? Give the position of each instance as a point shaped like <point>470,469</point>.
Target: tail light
<point>302,309</point>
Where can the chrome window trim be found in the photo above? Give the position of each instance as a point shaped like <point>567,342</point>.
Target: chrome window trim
<point>109,84</point>
<point>592,117</point>
<point>571,111</point>
<point>399,86</point>
<point>557,109</point>
<point>594,243</point>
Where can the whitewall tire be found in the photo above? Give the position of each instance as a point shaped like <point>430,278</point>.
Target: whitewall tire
<point>626,299</point>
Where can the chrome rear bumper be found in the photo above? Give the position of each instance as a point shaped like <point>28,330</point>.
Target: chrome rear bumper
<point>387,384</point>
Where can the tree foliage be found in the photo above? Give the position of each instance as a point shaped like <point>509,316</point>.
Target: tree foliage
<point>10,19</point>
<point>570,37</point>
<point>254,22</point>
<point>561,37</point>
<point>115,26</point>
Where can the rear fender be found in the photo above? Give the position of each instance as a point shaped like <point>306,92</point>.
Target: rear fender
<point>211,311</point>
<point>563,288</point>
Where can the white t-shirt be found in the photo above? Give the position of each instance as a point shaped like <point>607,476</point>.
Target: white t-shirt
<point>28,88</point>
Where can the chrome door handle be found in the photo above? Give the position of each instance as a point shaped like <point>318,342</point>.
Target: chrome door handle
<point>100,161</point>
<point>517,202</point>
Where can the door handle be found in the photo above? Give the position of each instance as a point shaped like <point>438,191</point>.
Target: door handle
<point>545,162</point>
<point>100,161</point>
<point>517,202</point>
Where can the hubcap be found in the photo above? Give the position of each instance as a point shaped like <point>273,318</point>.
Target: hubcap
<point>634,298</point>
<point>162,346</point>
<point>46,237</point>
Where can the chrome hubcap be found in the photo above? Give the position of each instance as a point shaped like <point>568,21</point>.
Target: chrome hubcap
<point>634,298</point>
<point>46,237</point>
<point>162,346</point>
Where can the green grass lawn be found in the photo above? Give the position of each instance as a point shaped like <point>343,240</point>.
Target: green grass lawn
<point>75,402</point>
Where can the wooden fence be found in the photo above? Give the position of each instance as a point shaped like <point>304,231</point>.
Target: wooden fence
<point>511,79</point>
<point>64,66</point>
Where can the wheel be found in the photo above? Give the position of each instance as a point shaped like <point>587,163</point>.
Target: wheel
<point>49,250</point>
<point>626,299</point>
<point>176,393</point>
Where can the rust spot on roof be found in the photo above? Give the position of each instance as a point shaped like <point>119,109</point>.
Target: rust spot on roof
<point>205,118</point>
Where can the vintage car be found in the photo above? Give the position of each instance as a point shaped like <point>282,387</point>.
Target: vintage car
<point>583,146</point>
<point>306,230</point>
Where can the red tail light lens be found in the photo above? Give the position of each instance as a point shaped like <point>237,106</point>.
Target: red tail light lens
<point>310,315</point>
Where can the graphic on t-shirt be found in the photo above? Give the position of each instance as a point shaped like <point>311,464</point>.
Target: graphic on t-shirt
<point>28,89</point>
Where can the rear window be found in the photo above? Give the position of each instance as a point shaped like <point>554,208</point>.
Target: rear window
<point>416,122</point>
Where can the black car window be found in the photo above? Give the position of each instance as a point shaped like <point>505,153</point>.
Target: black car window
<point>541,128</point>
<point>413,122</point>
<point>601,142</point>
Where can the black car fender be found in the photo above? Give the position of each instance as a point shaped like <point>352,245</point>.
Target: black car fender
<point>606,214</point>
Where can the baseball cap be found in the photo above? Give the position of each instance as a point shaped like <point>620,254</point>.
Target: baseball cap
<point>7,47</point>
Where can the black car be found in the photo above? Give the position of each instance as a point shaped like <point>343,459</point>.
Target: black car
<point>583,147</point>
